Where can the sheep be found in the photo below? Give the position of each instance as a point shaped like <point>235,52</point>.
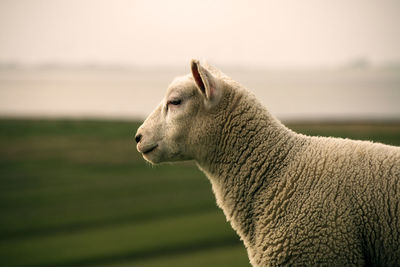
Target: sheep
<point>292,199</point>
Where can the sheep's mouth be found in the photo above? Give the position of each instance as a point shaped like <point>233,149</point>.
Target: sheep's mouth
<point>149,150</point>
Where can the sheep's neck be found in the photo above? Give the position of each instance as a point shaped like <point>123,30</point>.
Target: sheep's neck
<point>250,154</point>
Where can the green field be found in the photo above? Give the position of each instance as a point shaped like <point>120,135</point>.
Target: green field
<point>77,193</point>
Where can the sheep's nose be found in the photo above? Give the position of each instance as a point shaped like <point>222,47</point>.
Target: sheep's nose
<point>138,137</point>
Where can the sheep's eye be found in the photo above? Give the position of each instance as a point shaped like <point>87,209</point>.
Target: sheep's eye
<point>175,102</point>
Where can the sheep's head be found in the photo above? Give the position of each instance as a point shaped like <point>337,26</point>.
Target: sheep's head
<point>182,123</point>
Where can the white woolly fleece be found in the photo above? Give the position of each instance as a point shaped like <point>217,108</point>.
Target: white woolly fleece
<point>293,199</point>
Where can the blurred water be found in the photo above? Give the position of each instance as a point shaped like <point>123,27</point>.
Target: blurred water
<point>368,93</point>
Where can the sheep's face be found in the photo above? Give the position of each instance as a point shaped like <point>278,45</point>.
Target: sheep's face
<point>171,132</point>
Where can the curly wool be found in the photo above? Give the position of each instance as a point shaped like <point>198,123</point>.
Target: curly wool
<point>298,200</point>
<point>295,199</point>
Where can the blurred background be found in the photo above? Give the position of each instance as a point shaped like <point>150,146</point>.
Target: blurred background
<point>77,78</point>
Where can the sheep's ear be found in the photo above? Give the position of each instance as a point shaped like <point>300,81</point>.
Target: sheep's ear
<point>206,82</point>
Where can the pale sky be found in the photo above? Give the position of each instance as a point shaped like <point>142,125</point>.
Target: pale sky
<point>255,32</point>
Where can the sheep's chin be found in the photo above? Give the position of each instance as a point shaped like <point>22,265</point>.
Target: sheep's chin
<point>158,156</point>
<point>152,158</point>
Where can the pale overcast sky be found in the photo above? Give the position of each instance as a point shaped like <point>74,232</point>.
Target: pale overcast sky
<point>271,33</point>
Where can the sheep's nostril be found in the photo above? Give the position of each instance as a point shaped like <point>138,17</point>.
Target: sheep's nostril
<point>138,138</point>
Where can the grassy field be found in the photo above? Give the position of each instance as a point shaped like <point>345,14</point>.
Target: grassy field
<point>76,193</point>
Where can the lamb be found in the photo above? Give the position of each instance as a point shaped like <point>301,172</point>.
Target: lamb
<point>293,199</point>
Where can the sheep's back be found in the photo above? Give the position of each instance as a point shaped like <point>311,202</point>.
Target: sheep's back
<point>354,188</point>
<point>337,202</point>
